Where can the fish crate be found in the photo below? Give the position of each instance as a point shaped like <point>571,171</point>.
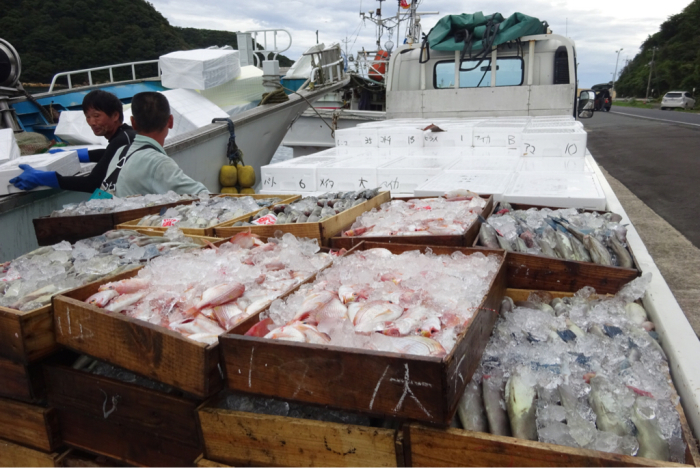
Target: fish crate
<point>382,384</point>
<point>21,381</point>
<point>33,426</point>
<point>12,454</point>
<point>573,265</point>
<point>430,446</point>
<point>78,459</point>
<point>51,231</point>
<point>148,350</point>
<point>203,462</point>
<point>209,232</point>
<point>464,240</point>
<point>323,231</point>
<point>122,420</point>
<point>252,439</point>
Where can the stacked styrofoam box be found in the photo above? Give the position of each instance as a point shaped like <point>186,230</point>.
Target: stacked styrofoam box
<point>556,141</point>
<point>74,129</point>
<point>8,145</point>
<point>190,111</point>
<point>434,152</point>
<point>483,182</point>
<point>501,133</point>
<point>566,190</point>
<point>65,163</point>
<point>495,151</point>
<point>199,69</point>
<point>356,137</point>
<point>544,164</point>
<point>245,88</point>
<point>298,174</point>
<point>484,163</point>
<point>347,174</point>
<point>399,136</point>
<point>403,175</point>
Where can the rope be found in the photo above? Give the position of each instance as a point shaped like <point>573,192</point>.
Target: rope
<point>274,97</point>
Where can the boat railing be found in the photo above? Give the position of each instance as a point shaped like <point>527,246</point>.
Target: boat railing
<point>111,69</point>
<point>372,66</point>
<point>266,51</point>
<point>327,66</point>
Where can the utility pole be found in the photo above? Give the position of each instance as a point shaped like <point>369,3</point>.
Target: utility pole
<point>615,74</point>
<point>651,67</point>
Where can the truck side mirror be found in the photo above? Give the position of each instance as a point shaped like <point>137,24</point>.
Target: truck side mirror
<point>585,105</point>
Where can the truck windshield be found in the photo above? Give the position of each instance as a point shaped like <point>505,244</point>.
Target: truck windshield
<point>509,72</point>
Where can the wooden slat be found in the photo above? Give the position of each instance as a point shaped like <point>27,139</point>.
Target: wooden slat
<point>16,455</point>
<point>201,461</point>
<point>20,381</point>
<point>128,405</point>
<point>135,447</point>
<point>75,458</point>
<point>26,336</point>
<point>455,447</point>
<point>30,425</point>
<point>261,440</point>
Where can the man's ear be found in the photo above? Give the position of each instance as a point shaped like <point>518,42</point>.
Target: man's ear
<point>133,123</point>
<point>171,120</point>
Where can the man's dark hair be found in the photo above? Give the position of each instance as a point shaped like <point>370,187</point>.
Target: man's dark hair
<point>103,101</point>
<point>151,111</point>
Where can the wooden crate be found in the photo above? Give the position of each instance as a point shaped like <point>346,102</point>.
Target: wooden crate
<point>21,381</point>
<point>75,458</point>
<point>238,437</point>
<point>520,206</point>
<point>210,232</point>
<point>30,425</point>
<point>323,231</point>
<point>464,240</point>
<point>123,421</point>
<point>146,349</point>
<point>203,462</point>
<point>12,454</point>
<point>51,231</point>
<point>376,383</point>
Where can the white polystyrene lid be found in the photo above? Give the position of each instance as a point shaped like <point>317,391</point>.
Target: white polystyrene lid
<point>555,184</point>
<point>363,162</point>
<point>476,181</point>
<point>551,130</point>
<point>485,163</point>
<point>44,162</point>
<point>418,163</point>
<point>307,161</point>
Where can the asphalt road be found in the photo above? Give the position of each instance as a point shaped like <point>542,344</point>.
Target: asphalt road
<point>657,160</point>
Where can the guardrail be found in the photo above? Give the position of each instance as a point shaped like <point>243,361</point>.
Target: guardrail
<point>108,67</point>
<point>265,51</point>
<point>327,66</point>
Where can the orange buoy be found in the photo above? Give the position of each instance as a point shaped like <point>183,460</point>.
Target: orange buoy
<point>377,71</point>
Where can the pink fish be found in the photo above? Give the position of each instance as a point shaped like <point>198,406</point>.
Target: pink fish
<point>408,322</point>
<point>287,333</point>
<point>124,301</point>
<point>227,315</point>
<point>221,294</point>
<point>332,310</point>
<point>198,324</point>
<point>314,302</point>
<point>261,328</point>
<point>419,345</point>
<point>102,298</point>
<point>246,240</point>
<point>126,286</point>
<point>374,316</point>
<point>312,334</point>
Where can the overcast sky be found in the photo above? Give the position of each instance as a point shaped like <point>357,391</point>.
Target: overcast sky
<point>599,27</point>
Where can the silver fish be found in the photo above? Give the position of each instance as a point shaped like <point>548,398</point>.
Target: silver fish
<point>505,245</point>
<point>520,402</point>
<point>546,248</point>
<point>488,236</point>
<point>563,247</point>
<point>470,409</point>
<point>599,254</point>
<point>623,256</point>
<point>492,391</point>
<point>580,250</point>
<point>605,407</point>
<point>651,442</point>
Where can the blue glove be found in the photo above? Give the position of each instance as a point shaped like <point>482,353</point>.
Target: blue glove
<point>83,155</point>
<point>32,178</point>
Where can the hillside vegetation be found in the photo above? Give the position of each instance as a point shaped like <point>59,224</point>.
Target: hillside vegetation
<point>677,58</point>
<point>54,36</point>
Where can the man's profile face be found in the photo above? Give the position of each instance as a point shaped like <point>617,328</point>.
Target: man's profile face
<point>101,123</point>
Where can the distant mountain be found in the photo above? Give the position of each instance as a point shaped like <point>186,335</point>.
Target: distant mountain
<point>53,36</point>
<point>676,62</point>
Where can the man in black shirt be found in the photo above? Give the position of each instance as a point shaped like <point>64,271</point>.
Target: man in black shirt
<point>104,113</point>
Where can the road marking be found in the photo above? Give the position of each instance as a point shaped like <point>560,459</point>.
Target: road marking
<point>652,118</point>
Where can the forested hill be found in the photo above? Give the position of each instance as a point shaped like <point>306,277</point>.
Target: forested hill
<point>677,58</point>
<point>54,36</point>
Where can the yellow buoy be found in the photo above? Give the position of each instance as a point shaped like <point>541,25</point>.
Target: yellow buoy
<point>248,191</point>
<point>228,176</point>
<point>246,176</point>
<point>229,190</point>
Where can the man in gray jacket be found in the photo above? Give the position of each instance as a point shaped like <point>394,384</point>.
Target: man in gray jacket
<point>143,167</point>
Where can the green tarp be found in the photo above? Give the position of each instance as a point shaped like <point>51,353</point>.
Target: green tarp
<point>442,36</point>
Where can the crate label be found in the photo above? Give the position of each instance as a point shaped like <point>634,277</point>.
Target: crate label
<point>167,222</point>
<point>266,220</point>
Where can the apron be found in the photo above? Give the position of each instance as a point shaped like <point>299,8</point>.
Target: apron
<point>109,185</point>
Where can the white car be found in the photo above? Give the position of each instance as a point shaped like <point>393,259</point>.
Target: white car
<point>680,99</point>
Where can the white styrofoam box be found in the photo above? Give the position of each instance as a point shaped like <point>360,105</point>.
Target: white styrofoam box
<point>74,129</point>
<point>495,151</point>
<point>554,142</point>
<point>354,173</point>
<point>544,164</point>
<point>483,182</point>
<point>554,124</point>
<point>356,137</point>
<point>292,192</point>
<point>498,133</point>
<point>190,111</point>
<point>9,149</point>
<point>433,152</point>
<point>484,163</point>
<point>448,138</point>
<point>559,189</point>
<point>65,163</point>
<point>554,117</point>
<point>245,88</point>
<point>399,137</point>
<point>199,69</point>
<point>403,175</point>
<point>294,174</point>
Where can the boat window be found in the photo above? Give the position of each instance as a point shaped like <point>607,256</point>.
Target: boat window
<point>509,72</point>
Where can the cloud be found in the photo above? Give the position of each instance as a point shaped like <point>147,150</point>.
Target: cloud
<point>599,27</point>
